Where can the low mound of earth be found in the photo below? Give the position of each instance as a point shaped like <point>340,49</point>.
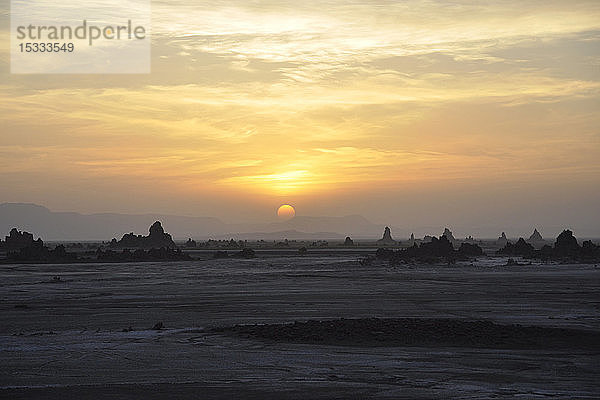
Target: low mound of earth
<point>418,332</point>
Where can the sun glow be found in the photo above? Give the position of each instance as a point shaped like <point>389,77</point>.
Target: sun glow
<point>281,183</point>
<point>286,212</point>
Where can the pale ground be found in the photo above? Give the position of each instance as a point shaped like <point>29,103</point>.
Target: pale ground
<point>63,340</point>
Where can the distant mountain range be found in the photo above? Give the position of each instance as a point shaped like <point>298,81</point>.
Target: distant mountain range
<point>50,225</point>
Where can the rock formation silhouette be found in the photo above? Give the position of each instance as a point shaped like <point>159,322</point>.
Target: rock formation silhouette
<point>441,247</point>
<point>566,248</point>
<point>431,252</point>
<point>412,241</point>
<point>387,239</point>
<point>470,250</point>
<point>521,248</point>
<point>21,247</point>
<point>348,241</point>
<point>17,240</point>
<point>156,238</point>
<point>448,235</point>
<point>566,244</point>
<point>536,239</point>
<point>590,251</point>
<point>502,240</point>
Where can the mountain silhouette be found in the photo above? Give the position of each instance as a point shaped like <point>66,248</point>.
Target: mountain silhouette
<point>53,225</point>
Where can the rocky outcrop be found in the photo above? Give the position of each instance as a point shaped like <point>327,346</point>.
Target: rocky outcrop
<point>448,235</point>
<point>412,241</point>
<point>17,240</point>
<point>431,252</point>
<point>441,247</point>
<point>536,239</point>
<point>502,240</point>
<point>565,249</point>
<point>156,238</point>
<point>521,248</point>
<point>566,244</point>
<point>470,250</point>
<point>589,251</point>
<point>348,242</point>
<point>387,239</point>
<point>21,247</point>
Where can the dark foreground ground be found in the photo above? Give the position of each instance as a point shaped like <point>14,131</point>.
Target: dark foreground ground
<point>70,338</point>
<point>410,332</point>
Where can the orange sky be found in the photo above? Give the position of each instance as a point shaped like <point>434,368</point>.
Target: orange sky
<point>413,113</point>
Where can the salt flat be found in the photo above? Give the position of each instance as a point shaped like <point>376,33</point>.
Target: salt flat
<point>63,338</point>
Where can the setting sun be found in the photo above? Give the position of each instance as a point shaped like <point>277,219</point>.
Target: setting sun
<point>286,212</point>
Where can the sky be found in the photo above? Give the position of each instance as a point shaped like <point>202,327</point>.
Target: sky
<point>475,115</point>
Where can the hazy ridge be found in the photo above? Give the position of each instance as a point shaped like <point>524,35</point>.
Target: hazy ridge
<point>51,225</point>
